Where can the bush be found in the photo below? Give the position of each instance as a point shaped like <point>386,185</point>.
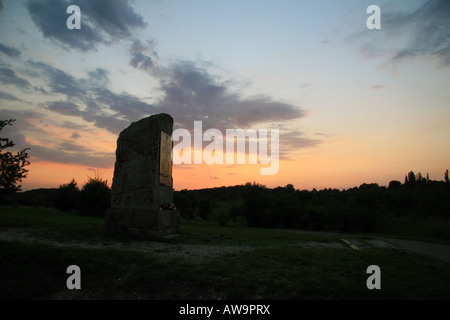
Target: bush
<point>204,209</point>
<point>223,217</point>
<point>95,197</point>
<point>67,196</point>
<point>184,204</point>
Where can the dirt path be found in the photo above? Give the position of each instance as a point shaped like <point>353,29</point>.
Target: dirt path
<point>164,251</point>
<point>434,250</point>
<point>195,253</point>
<point>200,252</point>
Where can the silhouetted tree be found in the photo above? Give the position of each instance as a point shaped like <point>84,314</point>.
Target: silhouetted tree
<point>446,176</point>
<point>394,184</point>
<point>183,203</point>
<point>95,197</point>
<point>204,208</point>
<point>67,196</point>
<point>411,178</point>
<point>419,177</point>
<point>12,166</point>
<point>289,188</point>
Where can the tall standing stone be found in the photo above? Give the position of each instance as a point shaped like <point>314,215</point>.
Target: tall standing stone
<point>142,194</point>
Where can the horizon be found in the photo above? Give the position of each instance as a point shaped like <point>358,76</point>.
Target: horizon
<point>352,105</point>
<point>254,182</point>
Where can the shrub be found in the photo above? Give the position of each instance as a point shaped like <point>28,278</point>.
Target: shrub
<point>223,217</point>
<point>95,197</point>
<point>204,209</point>
<point>67,196</point>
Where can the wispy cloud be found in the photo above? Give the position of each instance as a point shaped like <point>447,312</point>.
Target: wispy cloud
<point>294,140</point>
<point>193,93</point>
<point>7,96</point>
<point>58,80</point>
<point>42,149</point>
<point>376,87</point>
<point>9,51</point>
<point>429,28</point>
<point>424,32</point>
<point>190,93</point>
<point>9,76</point>
<point>75,135</point>
<point>144,56</point>
<point>103,22</point>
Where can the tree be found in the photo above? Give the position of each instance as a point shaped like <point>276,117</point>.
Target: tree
<point>12,165</point>
<point>395,184</point>
<point>204,208</point>
<point>410,178</point>
<point>446,176</point>
<point>95,197</point>
<point>67,196</point>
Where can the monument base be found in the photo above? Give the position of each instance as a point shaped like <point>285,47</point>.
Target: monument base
<point>142,221</point>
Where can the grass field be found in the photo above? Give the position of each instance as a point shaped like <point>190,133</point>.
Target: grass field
<point>205,261</point>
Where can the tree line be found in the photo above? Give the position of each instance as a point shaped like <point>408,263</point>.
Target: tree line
<point>360,209</point>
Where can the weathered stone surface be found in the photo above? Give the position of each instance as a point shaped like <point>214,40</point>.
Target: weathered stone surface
<point>139,194</point>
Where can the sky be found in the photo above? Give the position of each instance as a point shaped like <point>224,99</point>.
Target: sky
<point>352,105</point>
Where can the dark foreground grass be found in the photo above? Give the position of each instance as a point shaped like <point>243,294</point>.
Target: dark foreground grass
<point>31,271</point>
<point>277,271</point>
<point>50,223</point>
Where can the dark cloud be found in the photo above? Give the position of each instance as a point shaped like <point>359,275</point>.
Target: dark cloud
<point>81,156</point>
<point>125,105</point>
<point>99,77</point>
<point>429,27</point>
<point>1,5</point>
<point>192,93</point>
<point>100,118</point>
<point>420,33</point>
<point>294,140</point>
<point>31,122</point>
<point>7,96</point>
<point>66,108</point>
<point>59,81</point>
<point>114,17</point>
<point>102,22</point>
<point>8,76</point>
<point>144,56</point>
<point>75,136</point>
<point>74,126</point>
<point>110,123</point>
<point>91,99</point>
<point>68,146</point>
<point>9,51</point>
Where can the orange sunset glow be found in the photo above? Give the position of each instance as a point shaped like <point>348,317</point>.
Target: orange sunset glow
<point>352,104</point>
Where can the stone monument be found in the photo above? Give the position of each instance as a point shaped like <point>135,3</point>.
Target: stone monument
<point>142,194</point>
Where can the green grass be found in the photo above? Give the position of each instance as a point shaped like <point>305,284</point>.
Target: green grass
<point>421,228</point>
<point>212,233</point>
<point>38,272</point>
<point>274,270</point>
